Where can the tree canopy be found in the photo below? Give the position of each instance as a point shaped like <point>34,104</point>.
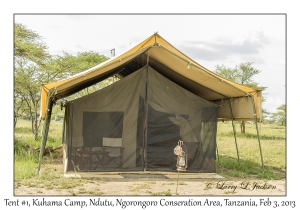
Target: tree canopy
<point>30,53</point>
<point>241,74</point>
<point>280,115</point>
<point>63,66</point>
<point>34,66</point>
<point>28,44</point>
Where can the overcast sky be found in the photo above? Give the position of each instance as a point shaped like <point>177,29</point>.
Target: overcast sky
<point>208,39</point>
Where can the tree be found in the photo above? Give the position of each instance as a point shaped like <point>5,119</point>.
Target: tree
<point>265,115</point>
<point>63,66</point>
<point>280,115</point>
<point>66,65</point>
<point>28,45</point>
<point>30,53</point>
<point>241,74</point>
<point>34,66</point>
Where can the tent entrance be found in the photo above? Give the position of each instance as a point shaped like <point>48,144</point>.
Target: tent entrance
<point>134,125</point>
<point>161,136</point>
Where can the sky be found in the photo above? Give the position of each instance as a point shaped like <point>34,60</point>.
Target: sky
<point>210,40</point>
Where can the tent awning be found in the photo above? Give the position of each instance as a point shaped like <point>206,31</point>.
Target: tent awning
<point>173,64</point>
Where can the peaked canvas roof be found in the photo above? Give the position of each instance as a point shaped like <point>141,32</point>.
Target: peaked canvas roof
<point>170,62</point>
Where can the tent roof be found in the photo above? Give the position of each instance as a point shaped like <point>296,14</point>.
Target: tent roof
<point>163,57</point>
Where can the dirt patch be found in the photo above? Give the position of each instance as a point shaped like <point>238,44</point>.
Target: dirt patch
<point>151,186</point>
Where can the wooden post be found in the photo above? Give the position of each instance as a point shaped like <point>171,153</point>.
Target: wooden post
<point>218,153</point>
<point>234,131</point>
<point>45,130</point>
<point>177,182</point>
<point>258,136</point>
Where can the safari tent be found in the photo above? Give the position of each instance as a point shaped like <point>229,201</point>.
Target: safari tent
<point>134,124</point>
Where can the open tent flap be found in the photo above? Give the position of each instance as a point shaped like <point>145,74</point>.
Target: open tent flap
<point>242,108</point>
<point>148,113</point>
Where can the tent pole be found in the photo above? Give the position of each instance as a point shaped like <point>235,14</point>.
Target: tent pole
<point>218,153</point>
<point>146,120</point>
<point>64,140</point>
<point>45,130</point>
<point>258,136</point>
<point>234,131</point>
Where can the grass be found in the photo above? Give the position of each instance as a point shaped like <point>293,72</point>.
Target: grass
<point>169,183</point>
<point>163,193</point>
<point>25,163</point>
<point>273,144</point>
<point>52,179</point>
<point>25,157</point>
<point>139,186</point>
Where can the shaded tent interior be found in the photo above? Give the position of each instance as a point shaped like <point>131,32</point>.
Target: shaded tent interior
<point>149,114</point>
<point>153,56</point>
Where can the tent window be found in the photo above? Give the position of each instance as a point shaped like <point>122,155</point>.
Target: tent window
<point>97,125</point>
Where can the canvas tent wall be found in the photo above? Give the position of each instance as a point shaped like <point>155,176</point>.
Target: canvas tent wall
<point>150,114</point>
<point>237,102</point>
